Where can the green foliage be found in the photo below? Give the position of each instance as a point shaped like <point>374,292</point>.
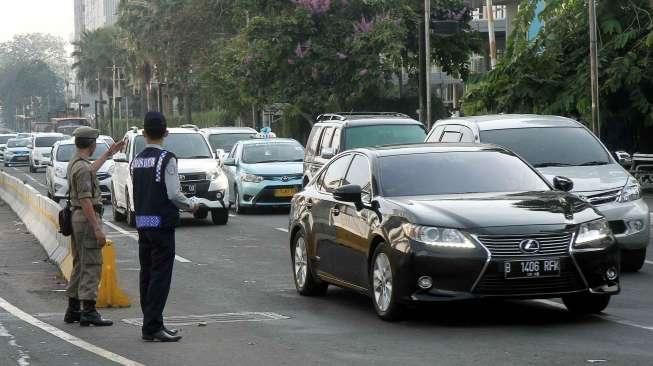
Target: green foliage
<point>551,73</point>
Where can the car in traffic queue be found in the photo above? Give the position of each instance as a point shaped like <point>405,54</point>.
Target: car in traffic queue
<point>264,172</point>
<point>223,139</point>
<point>336,132</point>
<point>56,171</point>
<point>3,143</point>
<point>446,222</point>
<point>562,146</point>
<point>199,173</point>
<point>41,149</point>
<point>17,152</point>
<point>108,139</point>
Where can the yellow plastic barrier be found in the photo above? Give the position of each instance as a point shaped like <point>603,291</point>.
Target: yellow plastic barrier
<point>109,293</point>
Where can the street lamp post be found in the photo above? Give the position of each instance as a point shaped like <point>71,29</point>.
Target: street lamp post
<point>594,68</point>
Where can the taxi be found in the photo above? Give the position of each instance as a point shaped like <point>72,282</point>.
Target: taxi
<point>264,172</point>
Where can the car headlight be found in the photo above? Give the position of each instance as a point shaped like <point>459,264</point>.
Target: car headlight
<point>595,234</point>
<point>253,178</point>
<point>631,192</point>
<point>213,174</point>
<point>438,237</point>
<point>59,172</point>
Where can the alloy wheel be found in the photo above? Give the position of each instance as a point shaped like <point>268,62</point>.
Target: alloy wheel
<point>301,262</point>
<point>382,277</point>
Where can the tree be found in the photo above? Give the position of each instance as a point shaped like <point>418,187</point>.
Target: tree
<point>550,74</point>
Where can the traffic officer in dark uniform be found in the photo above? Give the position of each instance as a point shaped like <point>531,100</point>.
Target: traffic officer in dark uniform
<point>157,201</point>
<point>87,237</point>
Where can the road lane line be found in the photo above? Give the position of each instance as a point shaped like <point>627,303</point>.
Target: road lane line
<point>66,336</point>
<point>178,258</point>
<point>35,180</point>
<point>649,262</point>
<point>610,318</point>
<point>281,229</point>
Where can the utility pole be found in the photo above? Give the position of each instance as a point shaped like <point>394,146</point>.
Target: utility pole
<point>427,60</point>
<point>594,69</point>
<point>422,72</point>
<point>490,31</point>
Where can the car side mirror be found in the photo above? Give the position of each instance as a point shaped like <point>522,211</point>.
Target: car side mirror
<point>563,184</point>
<point>623,158</point>
<point>229,162</point>
<point>328,153</point>
<point>120,158</point>
<point>349,193</point>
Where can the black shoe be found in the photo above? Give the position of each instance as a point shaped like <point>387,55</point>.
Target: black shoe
<point>90,316</point>
<point>161,336</point>
<point>73,313</point>
<point>171,331</point>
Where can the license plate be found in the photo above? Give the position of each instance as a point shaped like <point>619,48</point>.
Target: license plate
<point>285,192</point>
<point>22,158</point>
<point>536,268</point>
<point>188,188</point>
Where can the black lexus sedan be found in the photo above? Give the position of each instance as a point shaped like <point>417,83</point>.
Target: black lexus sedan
<point>434,222</point>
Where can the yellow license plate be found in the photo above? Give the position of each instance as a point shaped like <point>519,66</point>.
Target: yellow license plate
<point>285,192</point>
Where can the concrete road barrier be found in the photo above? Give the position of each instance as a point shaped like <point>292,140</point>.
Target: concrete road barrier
<point>40,216</point>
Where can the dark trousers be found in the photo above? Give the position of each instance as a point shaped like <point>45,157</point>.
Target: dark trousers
<point>157,255</point>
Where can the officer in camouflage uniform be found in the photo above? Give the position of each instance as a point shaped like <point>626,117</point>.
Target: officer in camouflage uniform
<point>87,237</point>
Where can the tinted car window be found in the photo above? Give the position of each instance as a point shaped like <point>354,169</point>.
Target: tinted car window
<point>366,136</point>
<point>46,141</point>
<point>4,139</point>
<point>335,174</point>
<point>313,140</point>
<point>272,152</point>
<point>18,143</point>
<point>456,173</point>
<point>326,138</point>
<point>183,145</point>
<point>65,152</point>
<point>359,174</point>
<point>550,146</point>
<point>226,141</point>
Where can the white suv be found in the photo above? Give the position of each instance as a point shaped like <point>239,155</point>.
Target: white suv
<point>199,173</point>
<point>40,153</point>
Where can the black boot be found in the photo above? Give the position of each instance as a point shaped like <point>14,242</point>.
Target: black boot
<point>90,316</point>
<point>73,312</point>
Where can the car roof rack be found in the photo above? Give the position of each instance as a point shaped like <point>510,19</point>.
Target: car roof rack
<point>191,126</point>
<point>343,116</point>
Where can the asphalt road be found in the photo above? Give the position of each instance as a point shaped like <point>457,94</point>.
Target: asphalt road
<point>234,298</point>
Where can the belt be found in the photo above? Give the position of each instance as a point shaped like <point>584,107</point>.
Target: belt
<point>97,208</point>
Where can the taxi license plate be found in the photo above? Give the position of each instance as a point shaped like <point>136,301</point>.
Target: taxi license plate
<point>537,268</point>
<point>285,192</point>
<point>188,188</point>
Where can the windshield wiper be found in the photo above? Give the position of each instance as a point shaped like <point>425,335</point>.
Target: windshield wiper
<point>591,163</point>
<point>546,165</point>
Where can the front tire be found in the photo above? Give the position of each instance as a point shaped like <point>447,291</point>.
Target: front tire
<point>220,216</point>
<point>305,281</point>
<point>584,304</point>
<point>237,207</point>
<point>383,285</point>
<point>633,260</point>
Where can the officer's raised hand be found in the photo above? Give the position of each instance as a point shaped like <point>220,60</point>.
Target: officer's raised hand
<point>116,147</point>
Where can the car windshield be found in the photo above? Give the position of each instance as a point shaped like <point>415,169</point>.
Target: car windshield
<point>18,143</point>
<point>379,135</point>
<point>272,152</point>
<point>4,139</point>
<point>65,152</point>
<point>545,147</point>
<point>440,173</point>
<point>183,145</point>
<point>226,141</point>
<point>47,141</point>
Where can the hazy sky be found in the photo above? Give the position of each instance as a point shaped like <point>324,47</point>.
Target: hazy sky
<point>31,16</point>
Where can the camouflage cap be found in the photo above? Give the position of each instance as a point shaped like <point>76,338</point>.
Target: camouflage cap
<point>86,132</point>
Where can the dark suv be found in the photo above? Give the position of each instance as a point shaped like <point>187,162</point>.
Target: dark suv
<point>336,132</point>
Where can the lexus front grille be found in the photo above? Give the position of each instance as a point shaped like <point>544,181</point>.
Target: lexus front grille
<point>504,246</point>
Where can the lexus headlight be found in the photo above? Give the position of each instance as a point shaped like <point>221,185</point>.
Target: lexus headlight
<point>253,178</point>
<point>59,172</point>
<point>631,192</point>
<point>438,237</point>
<point>593,235</point>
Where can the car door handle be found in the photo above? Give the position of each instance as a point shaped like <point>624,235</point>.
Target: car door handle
<point>335,211</point>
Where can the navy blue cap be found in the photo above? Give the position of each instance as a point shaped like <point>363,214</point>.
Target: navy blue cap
<point>154,120</point>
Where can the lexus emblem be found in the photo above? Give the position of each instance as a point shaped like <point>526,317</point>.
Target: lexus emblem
<point>182,177</point>
<point>529,246</point>
<point>285,178</point>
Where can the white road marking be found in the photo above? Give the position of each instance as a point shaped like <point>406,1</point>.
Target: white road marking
<point>35,180</point>
<point>649,262</point>
<point>610,318</point>
<point>281,229</point>
<point>23,357</point>
<point>66,336</point>
<point>134,236</point>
